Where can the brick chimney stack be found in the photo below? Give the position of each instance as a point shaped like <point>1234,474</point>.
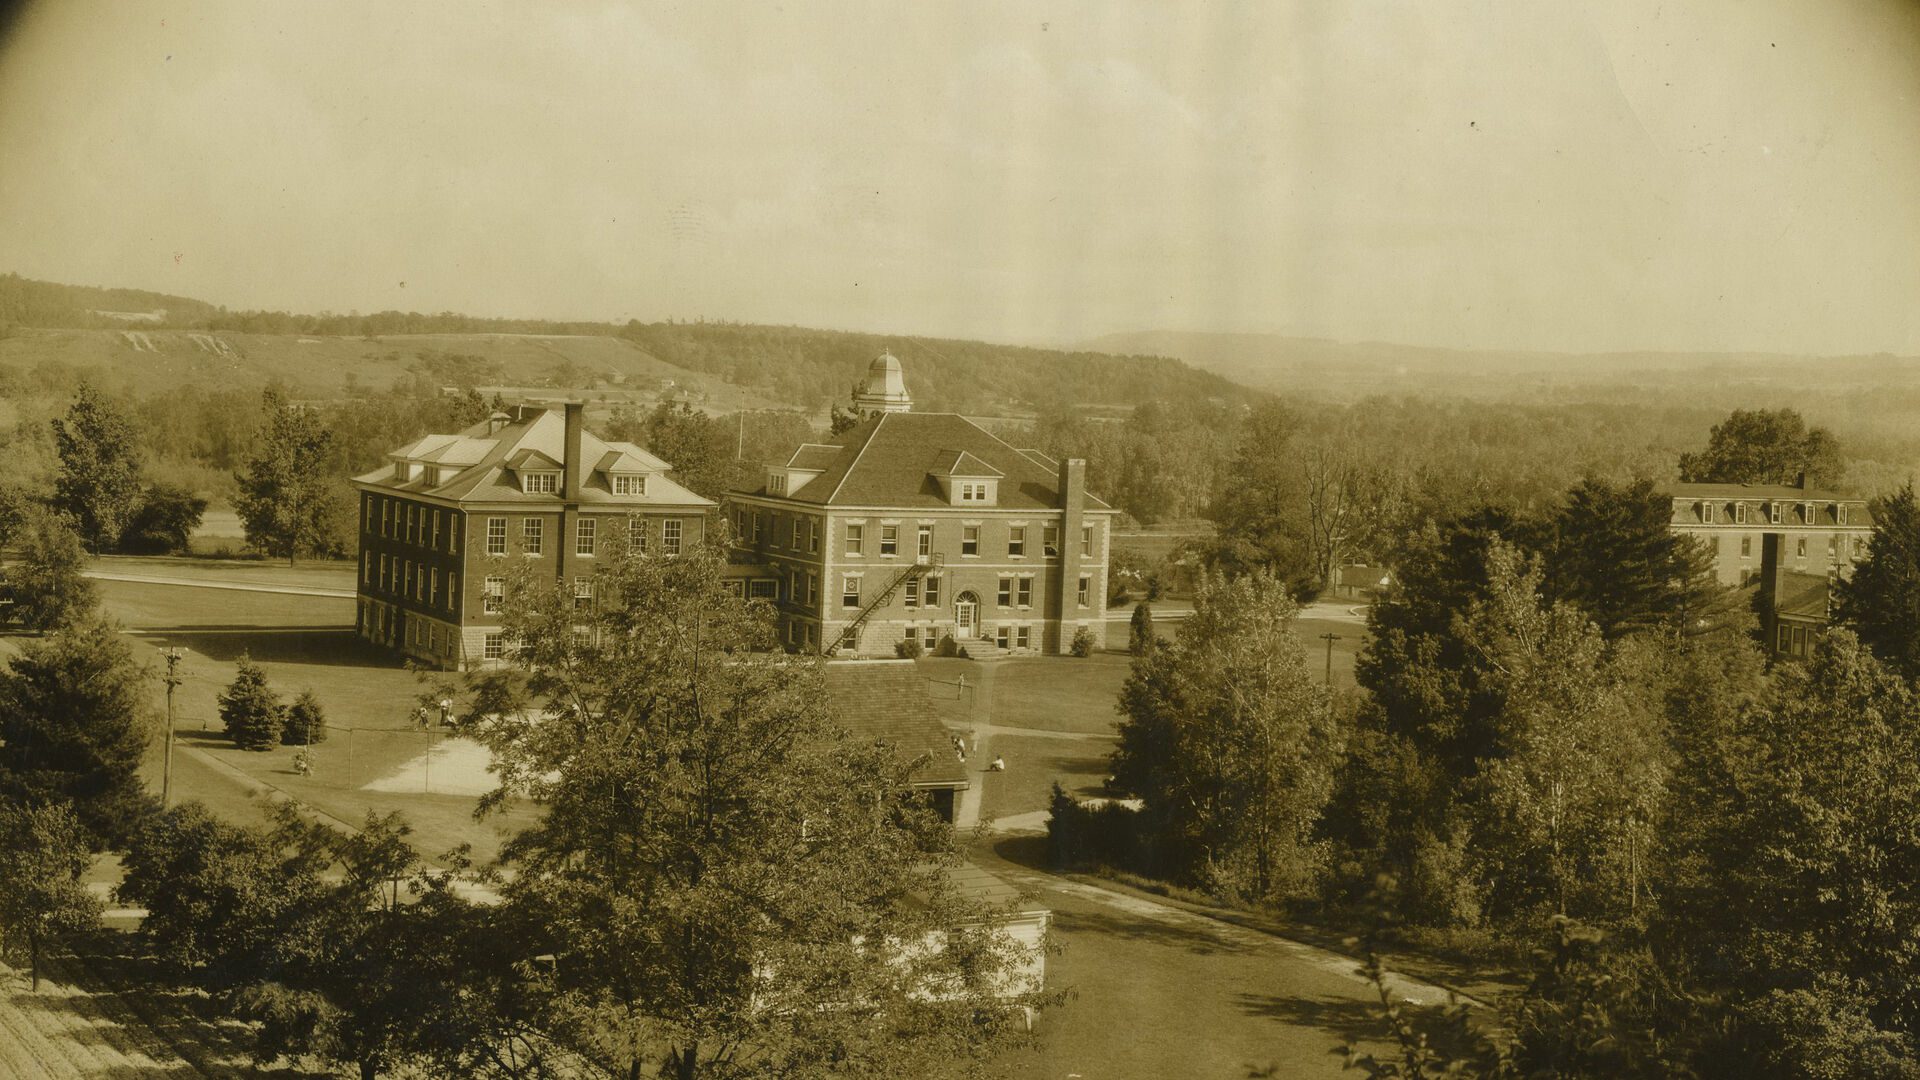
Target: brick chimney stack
<point>571,464</point>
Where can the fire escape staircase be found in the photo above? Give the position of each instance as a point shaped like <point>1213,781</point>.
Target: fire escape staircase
<point>913,571</point>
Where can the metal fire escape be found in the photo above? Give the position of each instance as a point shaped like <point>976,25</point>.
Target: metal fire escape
<point>911,572</point>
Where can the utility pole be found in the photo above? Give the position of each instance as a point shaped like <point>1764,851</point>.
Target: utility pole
<point>1329,638</point>
<point>173,656</point>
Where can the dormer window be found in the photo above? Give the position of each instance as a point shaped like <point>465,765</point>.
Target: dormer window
<point>777,484</point>
<point>1740,513</point>
<point>540,483</point>
<point>402,471</point>
<point>1773,513</point>
<point>1706,512</point>
<point>1806,514</point>
<point>431,475</point>
<point>1840,513</point>
<point>629,484</point>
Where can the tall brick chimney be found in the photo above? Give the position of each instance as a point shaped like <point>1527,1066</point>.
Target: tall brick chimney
<point>571,465</point>
<point>1073,505</point>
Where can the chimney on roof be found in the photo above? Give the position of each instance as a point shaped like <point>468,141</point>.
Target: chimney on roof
<point>570,464</point>
<point>1800,479</point>
<point>497,420</point>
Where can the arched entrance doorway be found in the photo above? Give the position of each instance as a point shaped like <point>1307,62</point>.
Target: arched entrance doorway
<point>966,616</point>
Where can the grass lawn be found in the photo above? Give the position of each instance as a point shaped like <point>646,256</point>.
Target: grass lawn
<point>303,643</point>
<point>1034,763</point>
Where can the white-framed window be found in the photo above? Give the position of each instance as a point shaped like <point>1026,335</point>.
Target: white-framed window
<point>453,532</point>
<point>1840,513</point>
<point>1706,511</point>
<point>889,540</point>
<point>582,593</point>
<point>533,535</point>
<point>366,568</point>
<point>383,574</point>
<point>493,593</point>
<point>1740,513</point>
<point>386,517</point>
<point>912,596</point>
<point>453,589</point>
<point>1017,541</point>
<point>670,537</point>
<point>1050,541</point>
<point>586,536</point>
<point>409,533</point>
<point>1023,637</point>
<point>402,471</point>
<point>1003,635</point>
<point>1086,586</point>
<point>431,475</point>
<point>856,538</point>
<point>777,484</point>
<point>793,633</point>
<point>637,533</point>
<point>850,590</point>
<point>1833,546</point>
<point>496,536</point>
<point>813,589</point>
<point>970,540</point>
<point>1774,513</point>
<point>1005,598</point>
<point>1859,546</point>
<point>799,529</point>
<point>494,647</point>
<point>406,578</point>
<point>757,516</point>
<point>929,638</point>
<point>930,595</point>
<point>436,530</point>
<point>813,536</point>
<point>1800,547</point>
<point>540,483</point>
<point>850,639</point>
<point>1746,547</point>
<point>763,589</point>
<point>433,591</point>
<point>1023,592</point>
<point>1808,513</point>
<point>1086,541</point>
<point>926,541</point>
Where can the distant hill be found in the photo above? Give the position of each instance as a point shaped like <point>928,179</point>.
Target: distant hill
<point>148,341</point>
<point>1349,370</point>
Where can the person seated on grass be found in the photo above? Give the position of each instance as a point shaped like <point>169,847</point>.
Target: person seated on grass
<point>999,764</point>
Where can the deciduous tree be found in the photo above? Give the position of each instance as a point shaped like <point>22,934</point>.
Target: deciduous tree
<point>164,523</point>
<point>288,498</point>
<point>49,584</point>
<point>1231,742</point>
<point>99,480</point>
<point>44,850</point>
<point>1766,446</point>
<point>729,884</point>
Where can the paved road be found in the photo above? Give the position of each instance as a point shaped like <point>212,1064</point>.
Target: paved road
<point>237,586</point>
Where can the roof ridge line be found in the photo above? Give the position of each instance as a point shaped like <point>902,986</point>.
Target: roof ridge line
<point>857,455</point>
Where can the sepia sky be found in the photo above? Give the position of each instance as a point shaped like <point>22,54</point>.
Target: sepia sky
<point>1620,174</point>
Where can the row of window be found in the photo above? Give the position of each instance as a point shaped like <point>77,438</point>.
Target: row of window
<point>586,536</point>
<point>804,535</point>
<point>1746,513</point>
<point>493,594</point>
<point>1857,548</point>
<point>403,577</point>
<point>409,522</point>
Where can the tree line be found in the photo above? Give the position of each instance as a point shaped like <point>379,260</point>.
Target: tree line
<point>1567,740</point>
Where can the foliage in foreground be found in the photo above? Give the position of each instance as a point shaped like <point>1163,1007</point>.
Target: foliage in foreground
<point>43,853</point>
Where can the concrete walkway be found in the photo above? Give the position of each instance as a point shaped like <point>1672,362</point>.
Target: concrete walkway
<point>236,586</point>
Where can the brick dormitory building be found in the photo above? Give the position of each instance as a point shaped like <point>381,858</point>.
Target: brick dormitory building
<point>925,526</point>
<point>1791,541</point>
<point>441,524</point>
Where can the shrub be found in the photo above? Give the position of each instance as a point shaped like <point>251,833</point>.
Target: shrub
<point>305,722</point>
<point>250,710</point>
<point>1140,635</point>
<point>908,648</point>
<point>1083,642</point>
<point>1108,834</point>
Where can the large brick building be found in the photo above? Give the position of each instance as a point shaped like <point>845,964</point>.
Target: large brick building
<point>926,525</point>
<point>440,525</point>
<point>1822,532</point>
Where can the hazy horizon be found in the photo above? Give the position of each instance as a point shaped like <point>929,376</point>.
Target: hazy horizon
<point>1599,178</point>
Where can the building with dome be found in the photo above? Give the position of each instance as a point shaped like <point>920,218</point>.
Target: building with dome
<point>925,526</point>
<point>885,388</point>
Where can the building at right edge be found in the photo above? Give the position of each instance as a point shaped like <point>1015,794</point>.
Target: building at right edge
<point>1792,542</point>
<point>929,527</point>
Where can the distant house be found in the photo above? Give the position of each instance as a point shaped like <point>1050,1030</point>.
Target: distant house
<point>442,522</point>
<point>1356,579</point>
<point>886,701</point>
<point>1800,608</point>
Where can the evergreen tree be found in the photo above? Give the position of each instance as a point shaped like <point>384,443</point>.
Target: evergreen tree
<point>49,584</point>
<point>249,709</point>
<point>1140,634</point>
<point>1880,602</point>
<point>98,484</point>
<point>1231,743</point>
<point>306,722</point>
<point>75,722</point>
<point>1612,553</point>
<point>287,499</point>
<point>43,853</point>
